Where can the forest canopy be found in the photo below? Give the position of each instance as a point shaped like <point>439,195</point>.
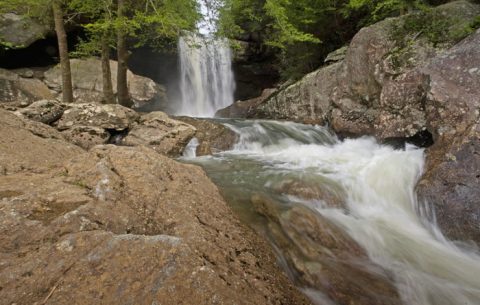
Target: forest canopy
<point>301,33</point>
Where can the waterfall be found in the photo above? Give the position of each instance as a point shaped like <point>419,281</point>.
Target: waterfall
<point>206,81</point>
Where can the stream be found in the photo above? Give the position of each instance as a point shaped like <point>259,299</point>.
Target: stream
<point>342,215</point>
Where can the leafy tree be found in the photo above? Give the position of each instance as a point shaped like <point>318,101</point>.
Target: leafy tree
<point>127,24</point>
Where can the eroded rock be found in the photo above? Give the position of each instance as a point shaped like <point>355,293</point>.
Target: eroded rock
<point>158,131</point>
<point>212,137</point>
<point>112,116</point>
<point>87,136</point>
<point>21,92</point>
<point>43,111</point>
<point>451,181</point>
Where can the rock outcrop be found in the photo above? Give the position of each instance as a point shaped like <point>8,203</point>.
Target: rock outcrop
<point>378,88</point>
<point>121,224</point>
<point>88,83</point>
<point>158,131</point>
<point>43,111</point>
<point>212,137</point>
<point>19,31</point>
<point>16,91</point>
<point>244,109</point>
<point>451,182</point>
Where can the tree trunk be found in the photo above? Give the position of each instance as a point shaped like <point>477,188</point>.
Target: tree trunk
<point>107,73</point>
<point>67,87</point>
<point>122,53</point>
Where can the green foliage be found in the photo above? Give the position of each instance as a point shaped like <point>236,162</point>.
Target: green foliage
<point>293,29</point>
<point>434,26</point>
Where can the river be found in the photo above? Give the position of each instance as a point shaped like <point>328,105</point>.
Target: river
<point>365,191</point>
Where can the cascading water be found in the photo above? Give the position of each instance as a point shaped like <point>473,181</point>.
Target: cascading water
<point>206,83</point>
<point>380,212</point>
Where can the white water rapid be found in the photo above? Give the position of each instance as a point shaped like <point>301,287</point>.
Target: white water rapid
<point>381,211</point>
<point>206,82</point>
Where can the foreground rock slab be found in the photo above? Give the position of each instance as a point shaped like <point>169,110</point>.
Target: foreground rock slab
<point>124,225</point>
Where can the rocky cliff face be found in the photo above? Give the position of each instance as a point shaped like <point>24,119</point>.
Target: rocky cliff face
<point>120,223</point>
<point>397,89</point>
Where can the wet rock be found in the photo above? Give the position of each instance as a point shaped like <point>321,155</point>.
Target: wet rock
<point>212,136</point>
<point>44,111</point>
<point>451,180</point>
<point>158,131</point>
<point>88,83</point>
<point>21,92</point>
<point>103,116</point>
<point>244,109</point>
<point>31,146</point>
<point>311,190</point>
<point>125,224</point>
<point>321,257</point>
<point>20,31</point>
<point>87,136</point>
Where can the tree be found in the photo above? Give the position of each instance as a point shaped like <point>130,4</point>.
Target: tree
<point>67,85</point>
<point>127,24</point>
<point>45,11</point>
<point>100,32</point>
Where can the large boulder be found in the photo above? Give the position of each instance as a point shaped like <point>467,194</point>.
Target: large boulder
<point>308,100</point>
<point>88,83</point>
<point>44,111</point>
<point>451,182</point>
<point>158,131</point>
<point>244,109</point>
<point>124,225</point>
<point>212,136</point>
<point>16,91</point>
<point>110,116</point>
<point>20,31</point>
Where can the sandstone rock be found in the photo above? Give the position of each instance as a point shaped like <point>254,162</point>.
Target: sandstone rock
<point>212,137</point>
<point>19,31</point>
<point>165,135</point>
<point>28,146</point>
<point>87,136</point>
<point>125,224</point>
<point>453,163</point>
<point>244,109</point>
<point>337,55</point>
<point>94,115</point>
<point>88,83</point>
<point>308,100</point>
<point>324,258</point>
<point>44,111</point>
<point>21,92</point>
